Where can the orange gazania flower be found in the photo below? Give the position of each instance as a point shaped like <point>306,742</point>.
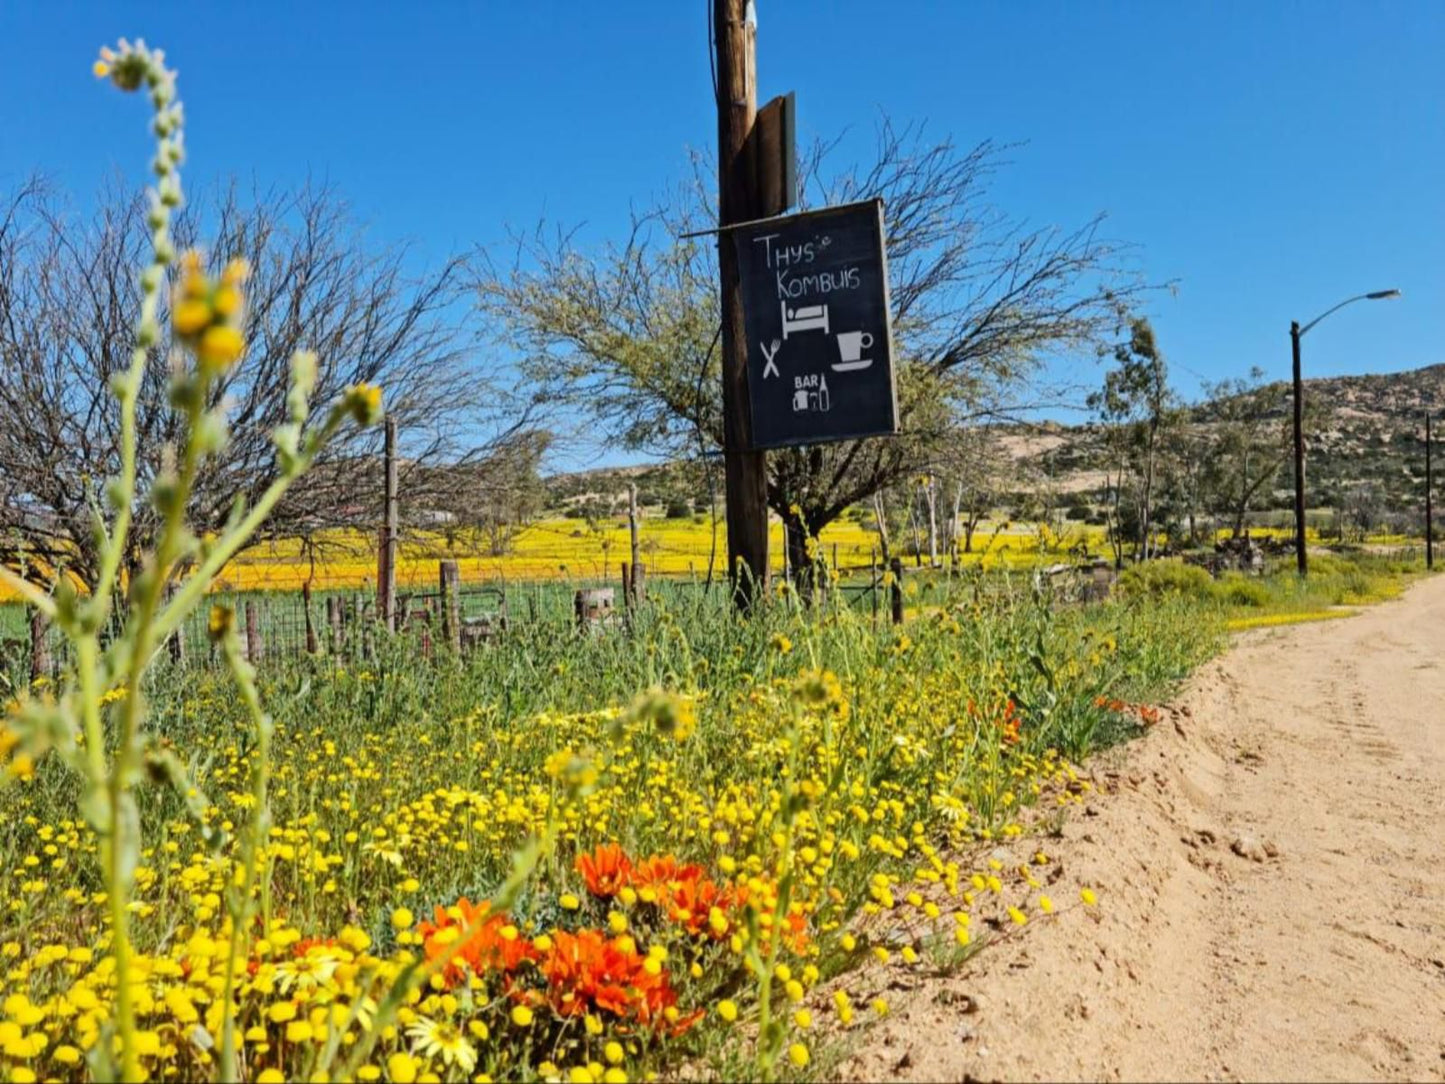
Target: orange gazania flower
<point>489,941</point>
<point>606,871</point>
<point>689,901</point>
<point>662,874</point>
<point>587,971</point>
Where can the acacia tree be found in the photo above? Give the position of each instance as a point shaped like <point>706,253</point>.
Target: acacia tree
<point>1250,442</point>
<point>973,466</point>
<point>626,333</point>
<point>1135,404</point>
<point>68,307</point>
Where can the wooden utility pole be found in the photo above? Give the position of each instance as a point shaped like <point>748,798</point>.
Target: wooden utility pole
<point>1429,506</point>
<point>739,200</point>
<point>1301,560</point>
<point>386,559</point>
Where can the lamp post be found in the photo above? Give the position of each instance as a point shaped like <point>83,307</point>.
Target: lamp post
<point>1295,334</point>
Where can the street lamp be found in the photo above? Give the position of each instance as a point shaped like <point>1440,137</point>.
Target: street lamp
<point>1295,333</point>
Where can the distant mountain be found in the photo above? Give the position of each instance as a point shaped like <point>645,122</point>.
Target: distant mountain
<point>1360,431</point>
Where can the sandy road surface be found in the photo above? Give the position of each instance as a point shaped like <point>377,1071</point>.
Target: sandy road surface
<point>1317,954</point>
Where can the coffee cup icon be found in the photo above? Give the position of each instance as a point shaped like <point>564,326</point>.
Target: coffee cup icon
<point>851,345</point>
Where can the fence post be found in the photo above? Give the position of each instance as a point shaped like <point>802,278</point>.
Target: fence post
<point>873,581</point>
<point>255,650</point>
<point>639,583</point>
<point>632,528</point>
<point>333,622</point>
<point>312,647</point>
<point>39,648</point>
<point>895,589</point>
<point>449,577</point>
<point>386,559</point>
<point>627,588</point>
<point>177,641</point>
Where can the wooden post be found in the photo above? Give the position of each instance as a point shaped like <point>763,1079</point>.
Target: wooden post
<point>176,643</point>
<point>639,582</point>
<point>1429,506</point>
<point>896,590</point>
<point>312,647</point>
<point>745,469</point>
<point>39,647</point>
<point>630,585</point>
<point>386,558</point>
<point>255,649</point>
<point>873,580</point>
<point>333,621</point>
<point>450,579</point>
<point>627,587</point>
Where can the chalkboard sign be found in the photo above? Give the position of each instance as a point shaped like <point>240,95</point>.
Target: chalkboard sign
<point>820,346</point>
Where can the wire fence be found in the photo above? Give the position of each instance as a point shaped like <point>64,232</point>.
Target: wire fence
<point>276,626</point>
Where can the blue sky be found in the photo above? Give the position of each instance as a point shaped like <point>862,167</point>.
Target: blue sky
<point>1272,157</point>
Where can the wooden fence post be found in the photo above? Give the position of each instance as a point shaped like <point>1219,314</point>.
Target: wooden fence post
<point>627,588</point>
<point>386,559</point>
<point>333,621</point>
<point>635,595</point>
<point>896,590</point>
<point>312,647</point>
<point>639,583</point>
<point>450,578</point>
<point>39,648</point>
<point>176,644</point>
<point>873,577</point>
<point>255,649</point>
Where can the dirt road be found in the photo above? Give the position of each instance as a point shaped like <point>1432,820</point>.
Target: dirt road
<point>1271,869</point>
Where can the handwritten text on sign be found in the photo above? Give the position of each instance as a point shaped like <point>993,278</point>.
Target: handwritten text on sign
<point>815,303</point>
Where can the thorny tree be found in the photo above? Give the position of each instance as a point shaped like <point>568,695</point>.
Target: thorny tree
<point>628,332</point>
<point>68,305</point>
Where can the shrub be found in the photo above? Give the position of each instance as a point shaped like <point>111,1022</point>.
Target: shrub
<point>1236,590</point>
<point>1156,578</point>
<point>678,508</point>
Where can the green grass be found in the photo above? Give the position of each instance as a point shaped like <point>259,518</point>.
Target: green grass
<point>817,751</point>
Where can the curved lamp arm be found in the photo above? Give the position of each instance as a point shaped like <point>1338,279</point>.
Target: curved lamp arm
<point>1377,295</point>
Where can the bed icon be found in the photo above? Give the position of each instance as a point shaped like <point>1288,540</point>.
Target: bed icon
<point>810,318</point>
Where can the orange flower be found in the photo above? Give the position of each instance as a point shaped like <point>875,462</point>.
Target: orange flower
<point>491,942</point>
<point>1011,722</point>
<point>586,971</point>
<point>606,871</point>
<point>690,900</point>
<point>661,872</point>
